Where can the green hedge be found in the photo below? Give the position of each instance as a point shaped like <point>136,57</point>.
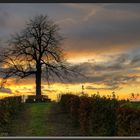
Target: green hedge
<point>85,114</point>
<point>65,102</point>
<point>103,116</point>
<point>128,120</point>
<point>9,108</point>
<point>96,116</point>
<point>74,110</point>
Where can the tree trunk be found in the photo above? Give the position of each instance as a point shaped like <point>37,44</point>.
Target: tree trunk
<point>38,80</point>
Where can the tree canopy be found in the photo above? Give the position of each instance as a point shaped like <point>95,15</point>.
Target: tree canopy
<point>36,50</point>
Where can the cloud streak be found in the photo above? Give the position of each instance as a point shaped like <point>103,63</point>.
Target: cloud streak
<point>6,90</point>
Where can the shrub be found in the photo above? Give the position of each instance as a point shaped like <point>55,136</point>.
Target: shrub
<point>4,120</point>
<point>9,107</point>
<point>103,116</point>
<point>128,121</point>
<point>65,102</point>
<point>85,110</point>
<point>13,105</point>
<point>74,110</point>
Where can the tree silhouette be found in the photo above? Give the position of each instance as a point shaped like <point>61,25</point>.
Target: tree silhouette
<point>34,51</point>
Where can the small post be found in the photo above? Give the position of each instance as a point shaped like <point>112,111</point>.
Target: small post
<point>83,89</point>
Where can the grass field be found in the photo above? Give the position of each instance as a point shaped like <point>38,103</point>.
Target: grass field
<point>135,105</point>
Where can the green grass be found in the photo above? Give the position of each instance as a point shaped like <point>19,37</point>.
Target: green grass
<point>135,105</point>
<point>38,118</point>
<point>32,121</point>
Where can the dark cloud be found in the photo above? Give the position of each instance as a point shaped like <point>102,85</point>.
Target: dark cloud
<point>4,16</point>
<point>5,90</point>
<point>92,28</point>
<point>136,60</point>
<point>106,88</point>
<point>114,73</point>
<point>107,30</point>
<point>49,91</point>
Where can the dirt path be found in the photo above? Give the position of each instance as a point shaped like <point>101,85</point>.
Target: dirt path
<point>59,123</point>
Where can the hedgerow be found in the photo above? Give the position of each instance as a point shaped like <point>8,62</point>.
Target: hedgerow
<point>9,108</point>
<point>101,116</point>
<point>128,120</point>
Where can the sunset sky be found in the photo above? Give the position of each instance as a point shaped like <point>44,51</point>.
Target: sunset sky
<point>102,39</point>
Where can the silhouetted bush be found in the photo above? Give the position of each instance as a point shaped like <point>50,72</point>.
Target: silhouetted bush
<point>9,107</point>
<point>4,120</point>
<point>74,110</point>
<point>85,111</point>
<point>103,116</point>
<point>65,102</point>
<point>128,120</point>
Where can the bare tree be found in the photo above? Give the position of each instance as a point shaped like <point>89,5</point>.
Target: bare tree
<point>36,49</point>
